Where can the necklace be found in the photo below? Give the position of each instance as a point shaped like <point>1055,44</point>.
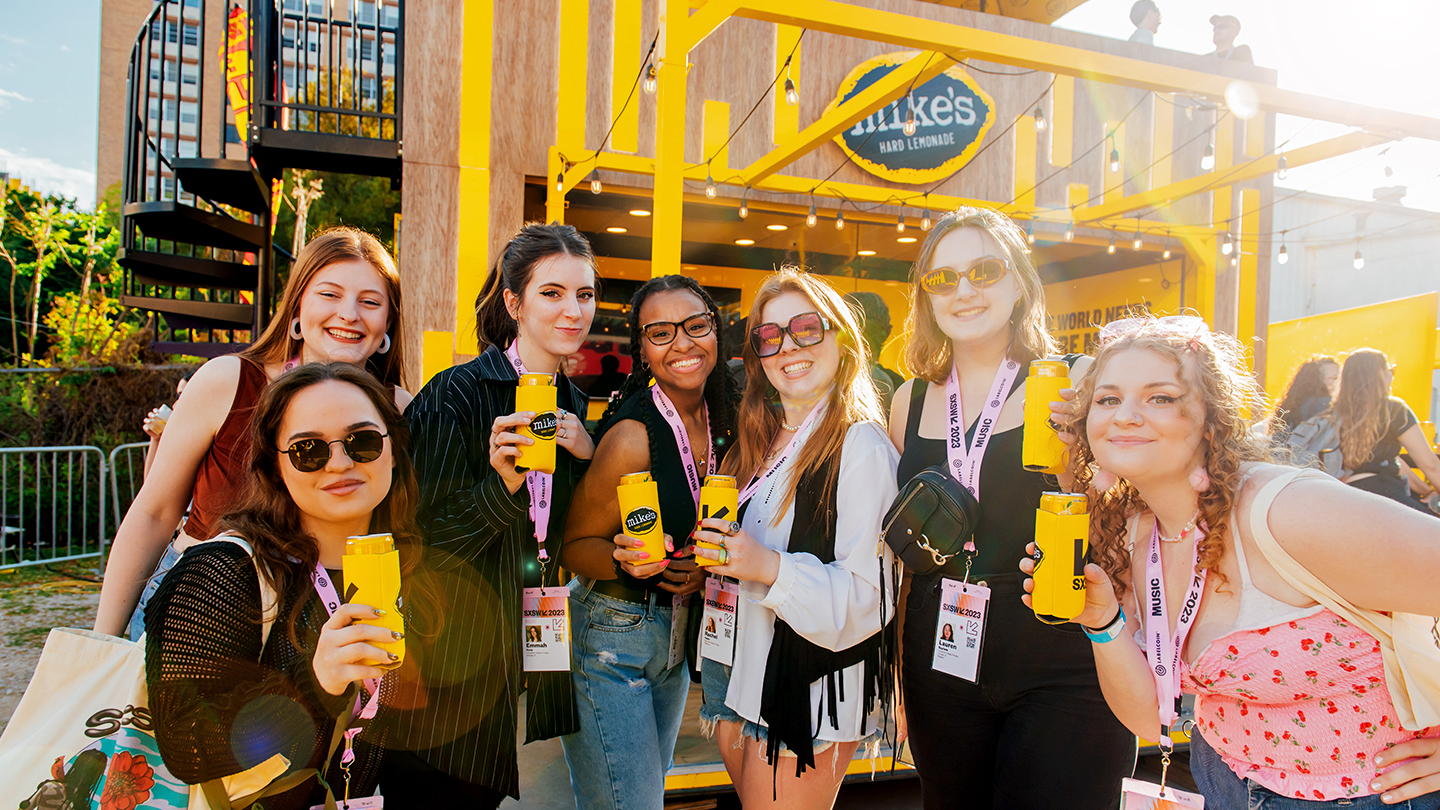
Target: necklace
<point>787,426</point>
<point>1189,527</point>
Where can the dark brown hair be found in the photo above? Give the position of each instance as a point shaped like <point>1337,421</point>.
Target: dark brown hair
<point>533,244</point>
<point>1308,383</point>
<point>267,516</point>
<point>276,345</point>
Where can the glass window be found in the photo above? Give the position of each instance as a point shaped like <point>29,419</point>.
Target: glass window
<point>367,12</point>
<point>317,8</point>
<point>187,112</point>
<point>367,86</point>
<point>192,34</point>
<point>190,74</point>
<point>367,49</point>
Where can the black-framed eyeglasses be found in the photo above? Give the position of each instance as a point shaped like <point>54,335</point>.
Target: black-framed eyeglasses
<point>806,329</point>
<point>983,273</point>
<point>362,446</point>
<point>662,333</point>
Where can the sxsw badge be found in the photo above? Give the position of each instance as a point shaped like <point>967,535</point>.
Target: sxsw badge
<point>640,521</point>
<point>543,425</point>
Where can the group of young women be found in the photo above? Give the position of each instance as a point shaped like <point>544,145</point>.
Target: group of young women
<point>252,653</point>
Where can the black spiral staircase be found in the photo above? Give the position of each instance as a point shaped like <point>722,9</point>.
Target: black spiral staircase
<point>324,81</point>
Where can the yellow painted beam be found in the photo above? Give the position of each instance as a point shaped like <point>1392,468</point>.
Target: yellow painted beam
<point>787,118</point>
<point>876,25</point>
<point>472,212</point>
<point>625,136</point>
<point>437,353</point>
<point>716,122</point>
<point>1200,277</point>
<point>917,71</point>
<point>1162,143</point>
<point>1062,121</point>
<point>1113,182</point>
<point>1249,266</point>
<point>1163,195</point>
<point>572,69</point>
<point>668,202</point>
<point>690,30</point>
<point>1025,146</point>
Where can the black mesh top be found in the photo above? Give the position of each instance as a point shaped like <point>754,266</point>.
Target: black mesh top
<point>220,704</point>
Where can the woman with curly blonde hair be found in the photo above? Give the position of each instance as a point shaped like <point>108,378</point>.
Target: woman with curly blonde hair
<point>1293,708</point>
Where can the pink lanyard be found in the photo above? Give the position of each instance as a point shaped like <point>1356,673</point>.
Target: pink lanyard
<point>749,491</point>
<point>687,456</point>
<point>331,599</point>
<point>1164,647</point>
<point>538,483</point>
<point>965,464</point>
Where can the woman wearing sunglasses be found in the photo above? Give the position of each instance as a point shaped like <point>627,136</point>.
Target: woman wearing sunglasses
<point>976,322</point>
<point>493,530</point>
<point>341,304</point>
<point>227,691</point>
<point>633,620</point>
<point>806,680</point>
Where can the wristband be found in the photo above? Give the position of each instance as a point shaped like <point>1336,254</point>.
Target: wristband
<point>1109,632</point>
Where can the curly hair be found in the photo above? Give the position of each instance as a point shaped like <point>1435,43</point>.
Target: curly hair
<point>721,394</point>
<point>1222,395</point>
<point>1308,383</point>
<point>1359,408</point>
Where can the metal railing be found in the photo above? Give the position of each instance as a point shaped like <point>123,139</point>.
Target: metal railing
<point>52,504</point>
<point>127,475</point>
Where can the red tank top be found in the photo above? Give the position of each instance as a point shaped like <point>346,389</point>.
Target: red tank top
<point>225,462</point>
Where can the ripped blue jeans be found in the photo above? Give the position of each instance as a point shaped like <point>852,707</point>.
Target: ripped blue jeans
<point>630,704</point>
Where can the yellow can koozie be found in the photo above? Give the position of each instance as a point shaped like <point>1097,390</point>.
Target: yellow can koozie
<point>640,514</point>
<point>719,498</point>
<point>536,393</point>
<point>371,568</point>
<point>1042,450</point>
<point>1062,538</point>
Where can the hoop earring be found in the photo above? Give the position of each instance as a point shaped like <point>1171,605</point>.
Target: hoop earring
<point>384,345</point>
<point>295,330</point>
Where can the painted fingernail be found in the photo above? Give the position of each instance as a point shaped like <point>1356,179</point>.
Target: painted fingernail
<point>393,656</point>
<point>397,634</point>
<point>644,555</point>
<point>639,543</point>
<point>378,611</point>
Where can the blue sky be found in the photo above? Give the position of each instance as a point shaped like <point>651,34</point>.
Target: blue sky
<point>1380,54</point>
<point>49,61</point>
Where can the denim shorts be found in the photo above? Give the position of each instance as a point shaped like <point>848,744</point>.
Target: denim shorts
<point>714,684</point>
<point>137,619</point>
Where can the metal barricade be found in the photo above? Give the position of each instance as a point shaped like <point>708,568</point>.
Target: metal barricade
<point>127,475</point>
<point>52,504</point>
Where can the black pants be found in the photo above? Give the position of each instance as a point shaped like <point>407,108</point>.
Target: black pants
<point>1035,733</point>
<point>1396,489</point>
<point>410,783</point>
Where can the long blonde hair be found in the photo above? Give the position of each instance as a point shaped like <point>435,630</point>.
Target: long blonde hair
<point>1223,395</point>
<point>276,345</point>
<point>927,352</point>
<point>852,398</point>
<point>1359,408</point>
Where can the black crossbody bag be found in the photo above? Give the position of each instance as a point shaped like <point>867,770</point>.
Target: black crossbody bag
<point>931,520</point>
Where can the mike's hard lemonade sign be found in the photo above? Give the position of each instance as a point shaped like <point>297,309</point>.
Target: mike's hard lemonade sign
<point>952,115</point>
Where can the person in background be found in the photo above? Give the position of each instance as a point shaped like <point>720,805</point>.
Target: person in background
<point>633,634</point>
<point>1226,29</point>
<point>609,380</point>
<point>341,304</point>
<point>475,511</point>
<point>875,320</point>
<point>1309,394</point>
<point>1374,426</point>
<point>1145,15</point>
<point>154,423</point>
<point>1293,708</point>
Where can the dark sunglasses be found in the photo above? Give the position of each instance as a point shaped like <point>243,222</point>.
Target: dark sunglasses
<point>944,280</point>
<point>662,333</point>
<point>362,446</point>
<point>806,329</point>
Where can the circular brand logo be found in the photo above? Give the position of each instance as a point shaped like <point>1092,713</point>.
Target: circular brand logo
<point>1160,670</point>
<point>323,583</point>
<point>1154,558</point>
<point>543,426</point>
<point>994,403</point>
<point>641,520</point>
<point>542,504</point>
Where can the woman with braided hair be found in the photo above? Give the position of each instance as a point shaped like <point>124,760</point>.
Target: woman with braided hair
<point>674,416</point>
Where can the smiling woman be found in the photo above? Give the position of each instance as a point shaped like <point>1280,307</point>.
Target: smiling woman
<point>340,304</point>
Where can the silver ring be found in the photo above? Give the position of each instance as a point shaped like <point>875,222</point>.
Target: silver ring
<point>561,432</point>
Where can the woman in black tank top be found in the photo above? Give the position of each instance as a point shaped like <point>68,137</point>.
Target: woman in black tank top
<point>1014,739</point>
<point>629,613</point>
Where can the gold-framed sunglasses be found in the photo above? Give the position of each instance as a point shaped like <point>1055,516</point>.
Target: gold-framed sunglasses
<point>983,273</point>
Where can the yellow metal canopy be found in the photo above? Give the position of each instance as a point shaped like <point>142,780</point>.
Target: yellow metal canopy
<point>1041,11</point>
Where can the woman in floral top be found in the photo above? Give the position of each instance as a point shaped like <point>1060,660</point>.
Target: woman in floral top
<point>1292,708</point>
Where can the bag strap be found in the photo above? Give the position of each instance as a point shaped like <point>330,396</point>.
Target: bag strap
<point>1297,575</point>
<point>269,600</point>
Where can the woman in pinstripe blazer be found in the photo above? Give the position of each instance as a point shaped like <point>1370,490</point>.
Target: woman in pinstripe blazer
<point>474,512</point>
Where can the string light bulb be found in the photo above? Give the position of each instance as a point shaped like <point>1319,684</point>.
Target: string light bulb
<point>1070,232</point>
<point>1280,168</point>
<point>1030,233</point>
<point>1138,242</point>
<point>910,115</point>
<point>1207,161</point>
<point>792,96</point>
<point>1114,159</point>
<point>840,219</point>
<point>1166,254</point>
<point>900,222</point>
<point>595,187</point>
<point>709,185</point>
<point>560,181</point>
<point>925,219</point>
<point>811,218</point>
<point>1284,257</point>
<point>744,204</point>
<point>1039,119</point>
<point>1111,249</point>
<point>1359,259</point>
<point>1227,244</point>
<point>651,79</point>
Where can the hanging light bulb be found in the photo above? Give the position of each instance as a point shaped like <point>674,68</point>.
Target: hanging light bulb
<point>709,186</point>
<point>900,222</point>
<point>1070,232</point>
<point>1114,159</point>
<point>560,181</point>
<point>1138,242</point>
<point>1039,119</point>
<point>811,218</point>
<point>1359,259</point>
<point>1235,260</point>
<point>1166,254</point>
<point>1280,168</point>
<point>1284,257</point>
<point>840,219</point>
<point>1030,233</point>
<point>651,79</point>
<point>744,205</point>
<point>792,96</point>
<point>925,220</point>
<point>595,187</point>
<point>1227,244</point>
<point>1207,162</point>
<point>910,115</point>
<point>1111,249</point>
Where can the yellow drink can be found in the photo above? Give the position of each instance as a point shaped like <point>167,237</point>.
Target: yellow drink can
<point>535,392</point>
<point>1042,450</point>
<point>639,498</point>
<point>1062,539</point>
<point>719,498</point>
<point>371,568</point>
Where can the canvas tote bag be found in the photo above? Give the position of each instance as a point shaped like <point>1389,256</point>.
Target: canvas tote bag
<point>1410,643</point>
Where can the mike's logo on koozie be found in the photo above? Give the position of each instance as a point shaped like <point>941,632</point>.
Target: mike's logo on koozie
<point>641,520</point>
<point>543,426</point>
